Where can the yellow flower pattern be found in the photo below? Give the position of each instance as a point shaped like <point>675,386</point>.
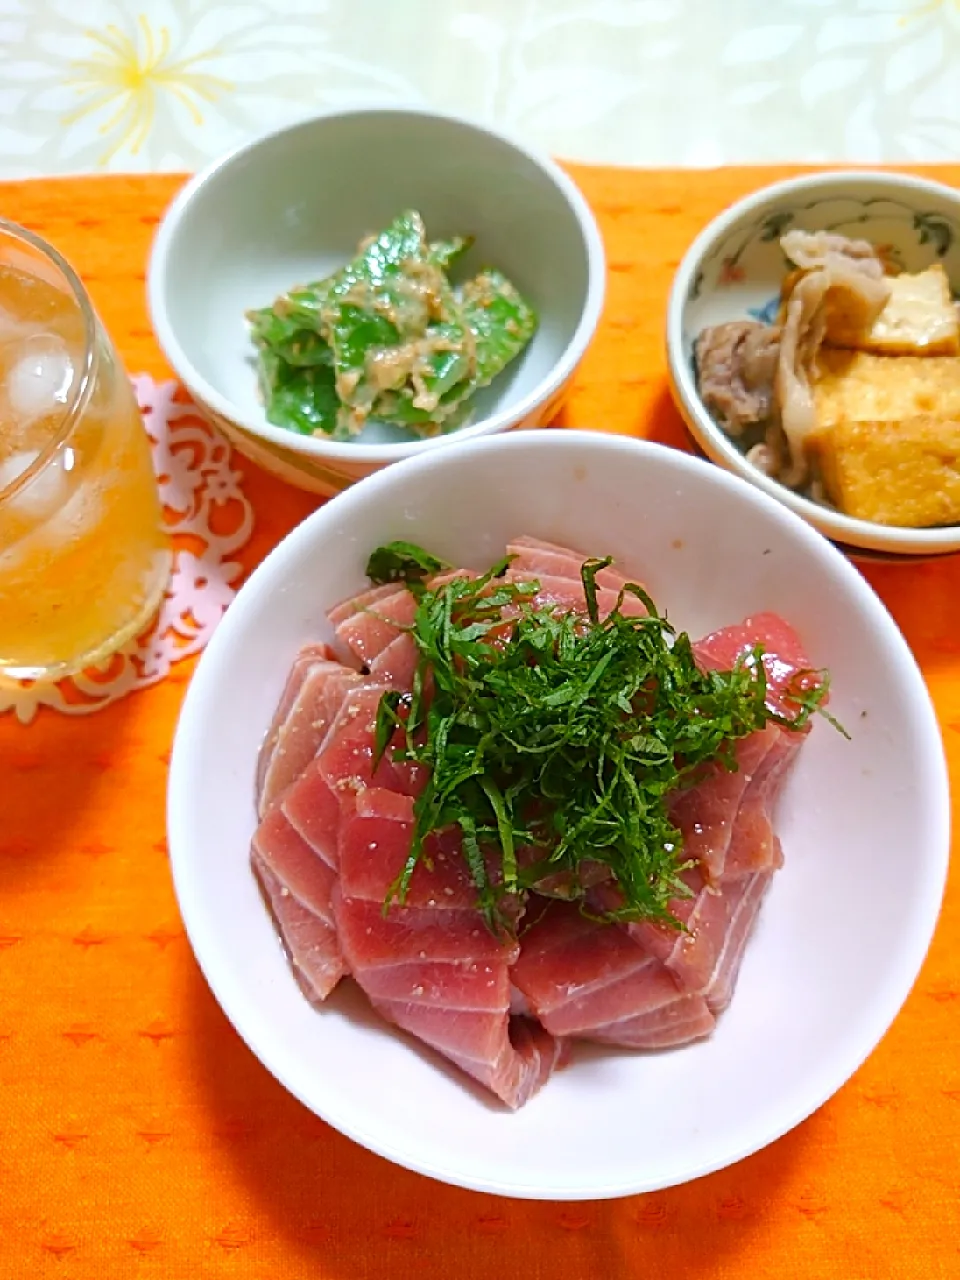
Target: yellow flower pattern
<point>169,84</point>
<point>130,75</point>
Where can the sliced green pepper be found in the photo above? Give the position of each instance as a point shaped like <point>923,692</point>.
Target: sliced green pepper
<point>301,399</point>
<point>341,350</point>
<point>501,321</point>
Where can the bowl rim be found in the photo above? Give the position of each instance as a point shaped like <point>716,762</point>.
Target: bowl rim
<point>864,534</point>
<point>187,747</point>
<point>165,246</point>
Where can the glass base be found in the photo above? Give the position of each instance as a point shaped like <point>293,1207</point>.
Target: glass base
<point>10,673</point>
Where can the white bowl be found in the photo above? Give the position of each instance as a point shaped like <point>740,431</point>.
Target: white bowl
<point>733,271</point>
<point>864,824</point>
<point>292,206</point>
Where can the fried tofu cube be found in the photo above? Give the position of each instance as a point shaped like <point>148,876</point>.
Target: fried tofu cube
<point>919,318</point>
<point>895,472</point>
<point>855,386</point>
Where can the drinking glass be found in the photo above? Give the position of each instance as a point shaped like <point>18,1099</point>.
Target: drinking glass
<point>84,556</point>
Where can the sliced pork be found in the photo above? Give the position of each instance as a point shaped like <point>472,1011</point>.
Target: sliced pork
<point>736,366</point>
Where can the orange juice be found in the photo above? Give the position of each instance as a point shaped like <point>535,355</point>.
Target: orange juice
<point>84,558</point>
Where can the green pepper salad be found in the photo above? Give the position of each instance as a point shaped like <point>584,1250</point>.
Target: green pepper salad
<point>388,337</point>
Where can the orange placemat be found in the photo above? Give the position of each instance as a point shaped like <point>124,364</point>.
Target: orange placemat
<point>139,1137</point>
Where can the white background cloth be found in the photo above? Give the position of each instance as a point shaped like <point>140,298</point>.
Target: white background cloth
<point>134,85</point>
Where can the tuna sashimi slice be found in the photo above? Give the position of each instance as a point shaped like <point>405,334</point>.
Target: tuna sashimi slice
<point>567,594</point>
<point>784,656</point>
<point>526,1060</point>
<point>588,979</point>
<point>369,630</point>
<point>754,845</point>
<point>705,813</point>
<point>454,997</point>
<point>353,604</point>
<point>678,1022</point>
<point>313,811</point>
<point>396,664</point>
<point>381,827</point>
<point>298,867</point>
<point>705,959</point>
<point>309,656</point>
<point>307,716</point>
<point>426,934</point>
<point>749,894</point>
<point>346,760</point>
<point>342,770</point>
<point>534,558</point>
<point>373,596</point>
<point>310,943</point>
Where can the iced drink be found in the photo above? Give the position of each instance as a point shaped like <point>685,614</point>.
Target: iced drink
<point>84,558</point>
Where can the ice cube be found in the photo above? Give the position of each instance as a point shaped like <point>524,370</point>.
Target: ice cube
<point>41,496</point>
<point>39,379</point>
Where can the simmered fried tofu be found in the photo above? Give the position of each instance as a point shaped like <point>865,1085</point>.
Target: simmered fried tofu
<point>919,318</point>
<point>855,386</point>
<point>903,472</point>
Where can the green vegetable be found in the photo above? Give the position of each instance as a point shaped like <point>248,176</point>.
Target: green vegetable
<point>553,741</point>
<point>404,345</point>
<point>501,322</point>
<point>393,299</point>
<point>446,253</point>
<point>289,336</point>
<point>301,399</point>
<point>402,562</point>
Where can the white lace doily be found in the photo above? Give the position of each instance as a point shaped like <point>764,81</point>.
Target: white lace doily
<point>204,505</point>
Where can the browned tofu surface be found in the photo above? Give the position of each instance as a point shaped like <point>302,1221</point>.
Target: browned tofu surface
<point>896,472</point>
<point>855,386</point>
<point>919,318</point>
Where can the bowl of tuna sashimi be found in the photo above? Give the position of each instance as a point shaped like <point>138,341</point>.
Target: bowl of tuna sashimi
<point>517,806</point>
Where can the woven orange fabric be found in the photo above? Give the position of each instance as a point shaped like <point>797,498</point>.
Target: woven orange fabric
<point>139,1137</point>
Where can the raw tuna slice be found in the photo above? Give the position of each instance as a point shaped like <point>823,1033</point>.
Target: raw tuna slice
<point>591,980</point>
<point>368,631</point>
<point>754,846</point>
<point>310,942</point>
<point>295,864</point>
<point>395,665</point>
<point>705,960</point>
<point>566,594</point>
<point>373,597</point>
<point>784,656</point>
<point>298,734</point>
<point>432,967</point>
<point>533,559</point>
<point>346,608</point>
<point>665,1026</point>
<point>705,813</point>
<point>309,656</point>
<point>342,769</point>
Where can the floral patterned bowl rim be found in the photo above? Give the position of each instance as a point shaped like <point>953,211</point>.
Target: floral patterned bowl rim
<point>753,212</point>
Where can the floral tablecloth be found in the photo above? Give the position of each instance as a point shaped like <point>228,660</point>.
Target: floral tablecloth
<point>140,85</point>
